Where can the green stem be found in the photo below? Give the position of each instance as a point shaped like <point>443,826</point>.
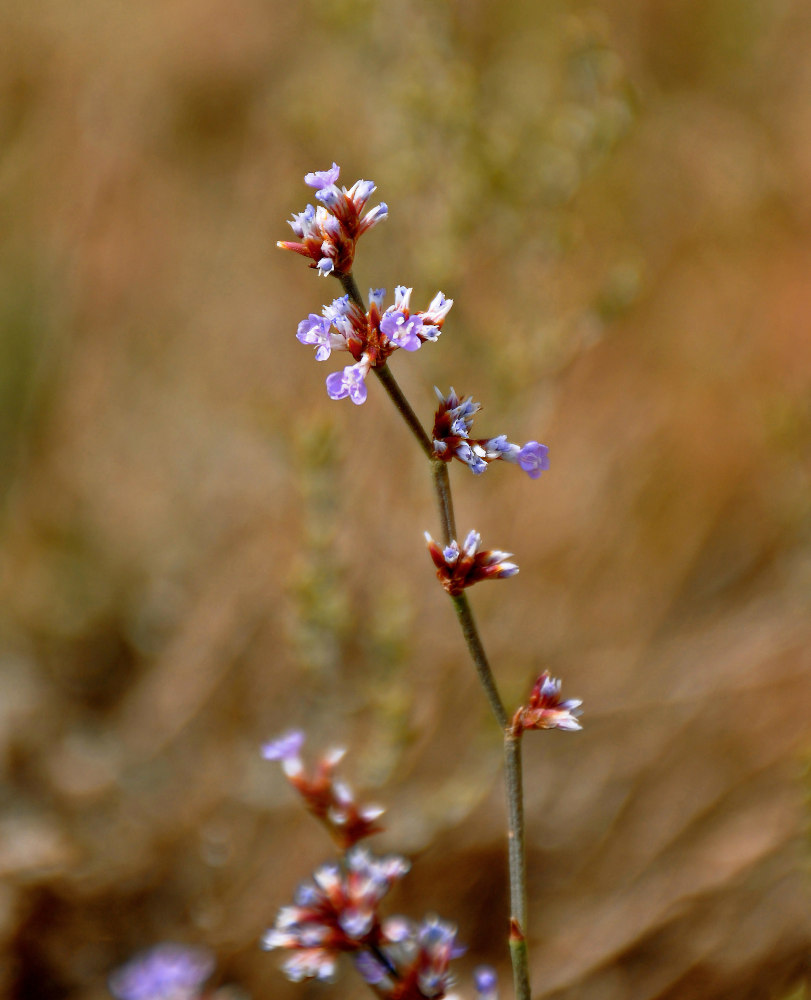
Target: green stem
<point>389,383</point>
<point>477,654</point>
<point>512,739</point>
<point>517,860</point>
<point>351,289</point>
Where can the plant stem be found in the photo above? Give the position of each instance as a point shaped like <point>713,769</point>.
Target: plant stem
<point>442,488</point>
<point>477,654</point>
<point>351,289</point>
<point>517,857</point>
<point>389,383</point>
<point>512,740</point>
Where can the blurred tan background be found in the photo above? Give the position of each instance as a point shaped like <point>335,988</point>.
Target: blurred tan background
<point>199,548</point>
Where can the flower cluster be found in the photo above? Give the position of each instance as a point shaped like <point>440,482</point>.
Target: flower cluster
<point>458,568</point>
<point>545,710</point>
<point>335,912</point>
<point>452,424</point>
<point>413,961</point>
<point>327,798</point>
<point>370,337</point>
<point>338,912</point>
<point>330,232</point>
<point>165,972</point>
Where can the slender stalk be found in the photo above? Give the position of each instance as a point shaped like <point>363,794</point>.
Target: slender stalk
<point>351,289</point>
<point>389,383</point>
<point>442,488</point>
<point>512,740</point>
<point>477,654</point>
<point>517,857</point>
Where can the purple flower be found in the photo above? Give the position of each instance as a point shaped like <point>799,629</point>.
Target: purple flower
<point>361,192</point>
<point>315,331</point>
<point>323,178</point>
<point>335,912</point>
<point>401,329</point>
<point>287,749</point>
<point>437,944</point>
<point>349,382</point>
<point>534,459</point>
<point>412,959</point>
<point>472,456</point>
<point>370,337</point>
<point>452,439</point>
<point>371,968</point>
<point>334,330</point>
<point>328,234</point>
<point>165,972</point>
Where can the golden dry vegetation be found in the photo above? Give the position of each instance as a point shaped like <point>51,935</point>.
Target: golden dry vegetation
<point>200,549</point>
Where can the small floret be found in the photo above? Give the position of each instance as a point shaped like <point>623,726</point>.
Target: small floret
<point>329,799</point>
<point>546,710</point>
<point>459,567</point>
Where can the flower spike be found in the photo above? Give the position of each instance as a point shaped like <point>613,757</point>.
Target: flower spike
<point>546,710</point>
<point>329,233</point>
<point>335,912</point>
<point>413,962</point>
<point>460,567</point>
<point>369,337</point>
<point>452,425</point>
<point>330,800</point>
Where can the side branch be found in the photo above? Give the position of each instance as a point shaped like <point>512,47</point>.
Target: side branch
<point>389,383</point>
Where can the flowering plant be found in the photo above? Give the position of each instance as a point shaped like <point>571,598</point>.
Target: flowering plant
<point>338,910</point>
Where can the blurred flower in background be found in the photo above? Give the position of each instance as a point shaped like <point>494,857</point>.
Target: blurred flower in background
<point>165,972</point>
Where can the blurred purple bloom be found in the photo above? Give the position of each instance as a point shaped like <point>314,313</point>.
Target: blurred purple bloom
<point>165,972</point>
<point>412,960</point>
<point>371,968</point>
<point>534,459</point>
<point>322,178</point>
<point>335,912</point>
<point>286,746</point>
<point>486,982</point>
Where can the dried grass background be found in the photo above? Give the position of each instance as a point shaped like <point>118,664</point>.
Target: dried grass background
<point>200,549</point>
